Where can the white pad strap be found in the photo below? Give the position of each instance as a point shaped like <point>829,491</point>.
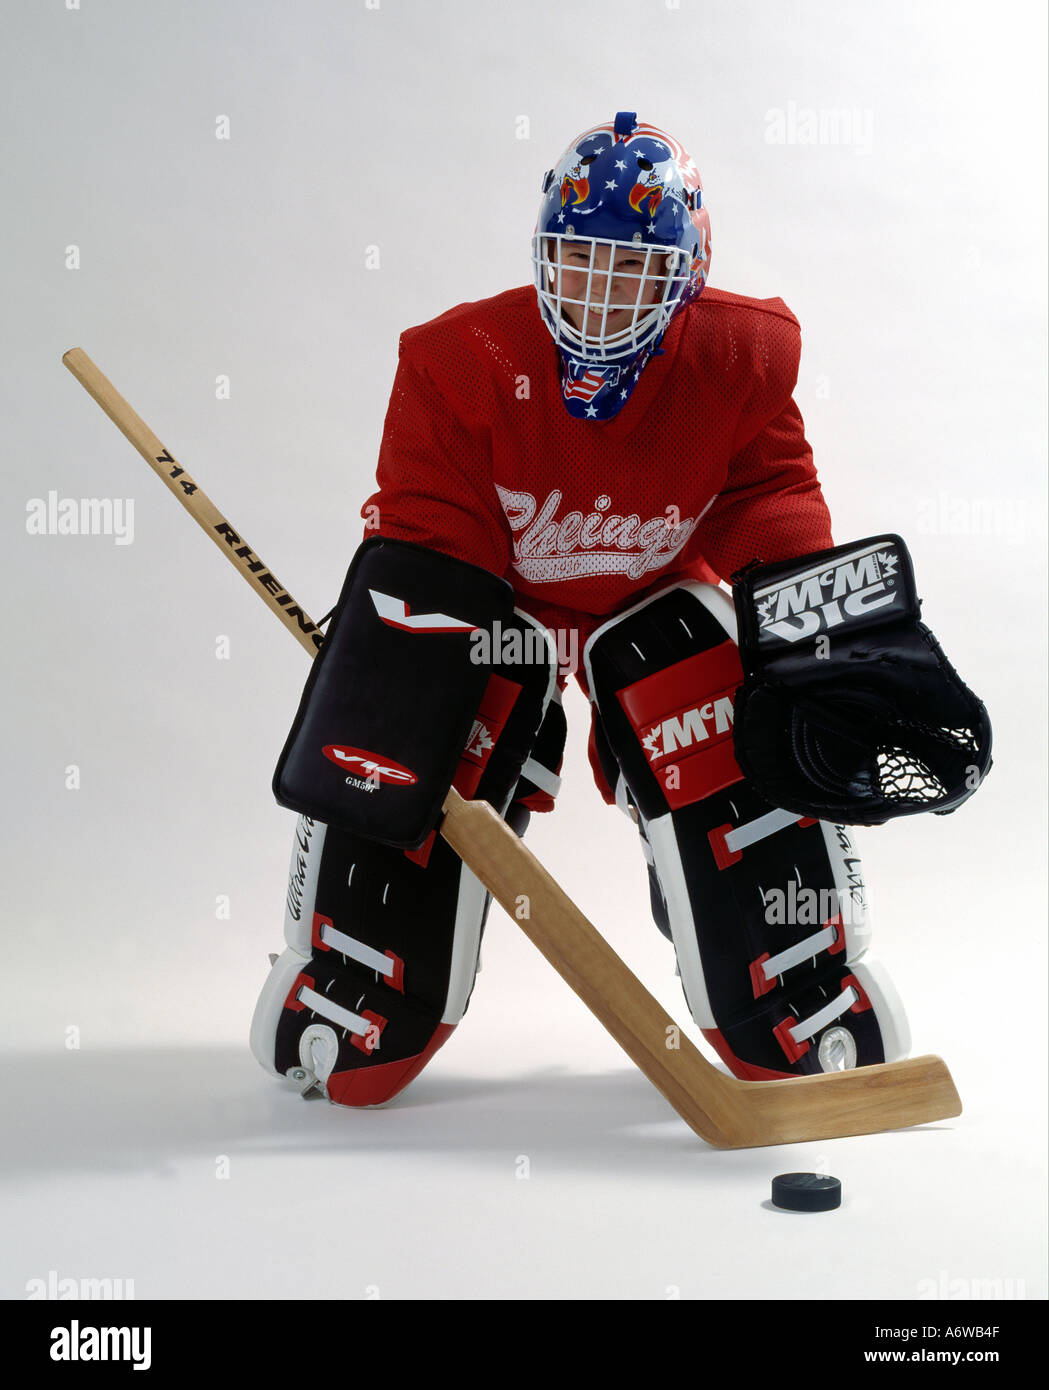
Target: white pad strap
<point>334,1013</point>
<point>801,951</point>
<point>543,778</point>
<point>809,1027</point>
<point>760,829</point>
<point>356,950</point>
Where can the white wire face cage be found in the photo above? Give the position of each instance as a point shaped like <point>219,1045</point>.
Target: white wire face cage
<point>648,281</point>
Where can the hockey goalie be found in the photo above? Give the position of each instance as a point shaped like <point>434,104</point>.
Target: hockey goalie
<point>609,462</point>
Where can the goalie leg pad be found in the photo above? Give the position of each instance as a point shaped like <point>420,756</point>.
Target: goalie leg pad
<point>766,909</point>
<point>382,943</point>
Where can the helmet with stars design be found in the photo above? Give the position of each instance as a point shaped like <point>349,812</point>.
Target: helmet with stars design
<point>622,241</point>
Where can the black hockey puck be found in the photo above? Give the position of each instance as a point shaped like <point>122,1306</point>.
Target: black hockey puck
<point>806,1192</point>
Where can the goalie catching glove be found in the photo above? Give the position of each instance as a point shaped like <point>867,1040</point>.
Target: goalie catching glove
<point>849,710</point>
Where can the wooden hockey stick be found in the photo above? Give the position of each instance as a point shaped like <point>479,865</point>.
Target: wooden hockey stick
<point>727,1113</point>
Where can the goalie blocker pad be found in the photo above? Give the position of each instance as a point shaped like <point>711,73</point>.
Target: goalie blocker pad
<point>766,909</point>
<point>850,710</point>
<point>388,706</point>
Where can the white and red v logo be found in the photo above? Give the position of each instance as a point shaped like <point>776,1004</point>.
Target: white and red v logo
<point>372,766</point>
<point>395,613</point>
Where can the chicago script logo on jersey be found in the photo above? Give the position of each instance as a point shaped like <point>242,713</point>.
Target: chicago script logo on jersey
<point>801,605</point>
<point>548,550</point>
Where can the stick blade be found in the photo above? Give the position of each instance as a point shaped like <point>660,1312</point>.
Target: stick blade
<point>725,1112</point>
<point>866,1100</point>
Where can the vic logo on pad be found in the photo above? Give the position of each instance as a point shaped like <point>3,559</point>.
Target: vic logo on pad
<point>360,763</point>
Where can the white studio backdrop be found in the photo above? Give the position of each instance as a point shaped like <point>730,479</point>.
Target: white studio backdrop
<point>235,210</point>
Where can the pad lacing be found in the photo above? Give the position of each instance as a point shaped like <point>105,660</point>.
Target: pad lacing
<point>901,777</point>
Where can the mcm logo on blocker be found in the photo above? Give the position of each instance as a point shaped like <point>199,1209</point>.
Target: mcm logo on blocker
<point>819,599</point>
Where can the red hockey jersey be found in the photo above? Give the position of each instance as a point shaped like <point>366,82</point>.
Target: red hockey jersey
<point>705,467</point>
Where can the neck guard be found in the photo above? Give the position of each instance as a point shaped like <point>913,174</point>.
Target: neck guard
<point>598,390</point>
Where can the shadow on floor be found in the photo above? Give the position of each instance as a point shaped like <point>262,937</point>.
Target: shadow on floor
<point>117,1111</point>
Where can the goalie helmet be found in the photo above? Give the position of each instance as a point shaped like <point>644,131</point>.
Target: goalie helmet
<point>621,244</point>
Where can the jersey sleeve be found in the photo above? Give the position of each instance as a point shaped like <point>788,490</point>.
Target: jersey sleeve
<point>434,474</point>
<point>770,506</point>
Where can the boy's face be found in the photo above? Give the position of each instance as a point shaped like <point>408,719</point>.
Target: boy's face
<point>574,270</point>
